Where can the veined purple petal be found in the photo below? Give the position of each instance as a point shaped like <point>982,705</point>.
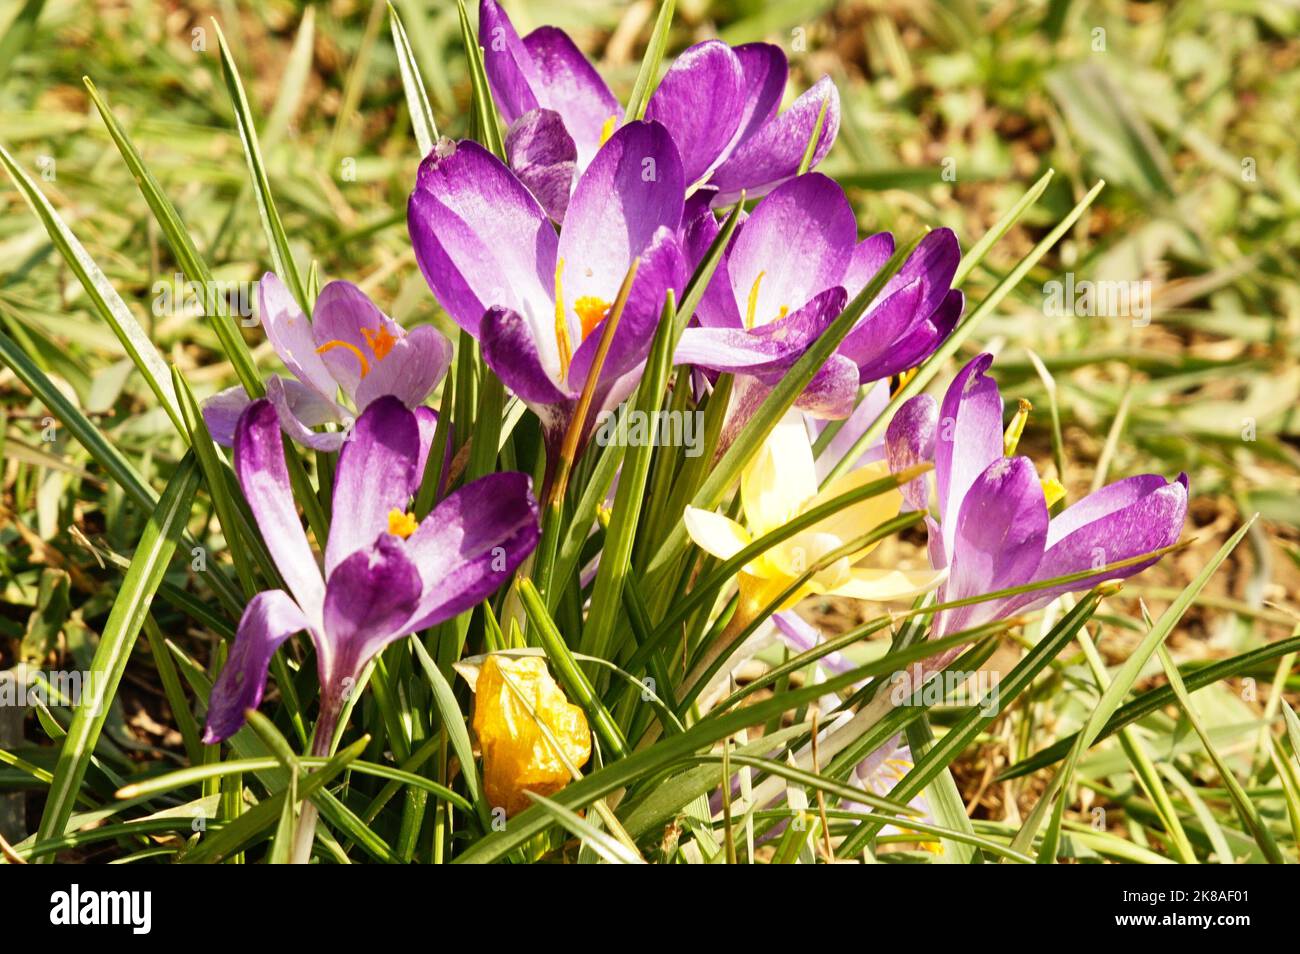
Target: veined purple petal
<point>661,268</point>
<point>701,101</point>
<point>344,323</point>
<point>569,84</point>
<point>471,543</point>
<point>510,349</point>
<point>796,243</point>
<point>270,618</point>
<point>221,413</point>
<point>481,238</point>
<point>370,596</point>
<point>410,371</point>
<point>832,391</point>
<point>542,154</point>
<point>299,408</point>
<point>509,66</point>
<point>717,306</point>
<point>632,189</point>
<point>264,477</point>
<point>427,419</point>
<point>1000,534</point>
<point>869,256</point>
<point>772,154</point>
<point>870,339</point>
<point>376,468</point>
<point>1121,521</point>
<point>290,334</point>
<point>969,439</point>
<point>909,440</point>
<point>801,636</point>
<point>917,344</point>
<point>765,72</point>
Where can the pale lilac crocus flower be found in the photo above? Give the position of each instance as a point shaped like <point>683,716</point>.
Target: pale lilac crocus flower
<point>385,574</point>
<point>348,344</point>
<point>720,103</point>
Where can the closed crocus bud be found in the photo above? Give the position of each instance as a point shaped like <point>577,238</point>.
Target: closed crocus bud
<point>512,696</point>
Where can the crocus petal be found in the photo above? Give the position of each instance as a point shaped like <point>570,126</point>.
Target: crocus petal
<point>780,477</point>
<point>290,334</point>
<point>772,154</point>
<point>221,413</point>
<point>713,533</point>
<point>542,154</point>
<point>427,419</point>
<point>884,585</point>
<point>569,84</point>
<point>1121,521</point>
<point>869,256</point>
<point>801,636</point>
<point>1000,533</point>
<point>299,409</point>
<point>410,371</point>
<point>969,439</point>
<point>701,100</point>
<point>765,72</point>
<point>917,344</point>
<point>871,406</point>
<point>470,543</point>
<point>481,238</point>
<point>270,618</point>
<point>510,349</point>
<point>909,440</point>
<point>832,391</point>
<point>264,477</point>
<point>343,319</point>
<point>376,468</point>
<point>369,598</point>
<point>855,520</point>
<point>799,240</point>
<point>871,338</point>
<point>631,190</point>
<point>717,307</point>
<point>509,66</point>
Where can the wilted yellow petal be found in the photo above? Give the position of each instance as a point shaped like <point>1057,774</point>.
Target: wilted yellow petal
<point>517,754</point>
<point>782,475</point>
<point>714,533</point>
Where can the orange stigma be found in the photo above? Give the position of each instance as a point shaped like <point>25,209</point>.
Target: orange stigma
<point>591,311</point>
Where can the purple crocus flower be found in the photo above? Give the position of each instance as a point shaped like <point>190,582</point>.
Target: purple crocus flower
<point>789,271</point>
<point>994,531</point>
<point>721,105</point>
<point>348,343</point>
<point>385,575</point>
<point>537,302</point>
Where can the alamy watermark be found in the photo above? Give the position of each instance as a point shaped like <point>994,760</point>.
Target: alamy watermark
<point>179,296</point>
<point>683,429</point>
<point>1098,299</point>
<point>947,687</point>
<point>30,688</point>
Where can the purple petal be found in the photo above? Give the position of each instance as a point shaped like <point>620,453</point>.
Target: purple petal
<point>270,618</point>
<point>510,349</point>
<point>864,415</point>
<point>701,101</point>
<point>264,477</point>
<point>345,325</point>
<point>765,72</point>
<point>542,154</point>
<point>376,468</point>
<point>221,413</point>
<point>290,334</point>
<point>869,256</point>
<point>801,636</point>
<point>879,328</point>
<point>799,240</point>
<point>369,598</point>
<point>969,439</point>
<point>917,344</point>
<point>427,418</point>
<point>832,391</point>
<point>1000,534</point>
<point>570,85</point>
<point>299,409</point>
<point>471,543</point>
<point>717,307</point>
<point>410,371</point>
<point>772,154</point>
<point>480,237</point>
<point>909,440</point>
<point>510,69</point>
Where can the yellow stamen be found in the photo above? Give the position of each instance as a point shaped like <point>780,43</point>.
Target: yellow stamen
<point>904,378</point>
<point>753,301</point>
<point>336,343</point>
<point>402,524</point>
<point>1052,490</point>
<point>562,340</point>
<point>381,342</point>
<point>607,129</point>
<point>1017,427</point>
<point>591,312</point>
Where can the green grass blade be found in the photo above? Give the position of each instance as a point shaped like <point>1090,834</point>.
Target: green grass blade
<point>417,100</point>
<point>647,76</point>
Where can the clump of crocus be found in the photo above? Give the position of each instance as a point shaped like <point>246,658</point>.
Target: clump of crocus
<point>347,344</point>
<point>788,273</point>
<point>720,103</point>
<point>385,573</point>
<point>538,302</point>
<point>520,717</point>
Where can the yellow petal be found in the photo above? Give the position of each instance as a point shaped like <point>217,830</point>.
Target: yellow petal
<point>511,697</point>
<point>881,586</point>
<point>714,533</point>
<point>858,519</point>
<point>780,478</point>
